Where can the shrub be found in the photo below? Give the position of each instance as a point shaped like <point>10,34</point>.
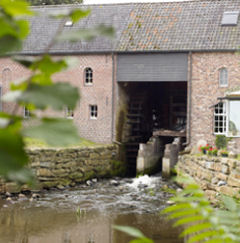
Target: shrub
<point>221,141</point>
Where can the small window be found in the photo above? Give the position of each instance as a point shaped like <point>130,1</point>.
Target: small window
<point>230,18</point>
<point>69,113</point>
<point>68,23</point>
<point>26,112</point>
<point>234,118</point>
<point>88,73</point>
<point>93,111</point>
<point>6,75</point>
<point>223,77</point>
<point>220,118</point>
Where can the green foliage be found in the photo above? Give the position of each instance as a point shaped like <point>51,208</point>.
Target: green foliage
<point>86,34</point>
<point>201,222</point>
<point>56,132</point>
<point>38,91</point>
<point>221,141</point>
<point>13,29</point>
<point>140,237</point>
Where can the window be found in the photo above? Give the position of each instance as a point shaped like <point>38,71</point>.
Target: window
<point>88,73</point>
<point>230,18</point>
<point>93,111</point>
<point>26,112</point>
<point>6,75</point>
<point>234,118</point>
<point>69,113</point>
<point>68,23</point>
<point>223,77</point>
<point>227,118</point>
<point>220,118</point>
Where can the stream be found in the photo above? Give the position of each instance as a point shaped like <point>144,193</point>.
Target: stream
<point>86,213</point>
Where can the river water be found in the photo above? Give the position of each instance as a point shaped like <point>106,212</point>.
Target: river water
<point>86,214</point>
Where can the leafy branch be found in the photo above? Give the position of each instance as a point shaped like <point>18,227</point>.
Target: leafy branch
<point>39,91</point>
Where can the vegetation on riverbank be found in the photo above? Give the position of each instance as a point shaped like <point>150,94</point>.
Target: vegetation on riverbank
<point>37,143</point>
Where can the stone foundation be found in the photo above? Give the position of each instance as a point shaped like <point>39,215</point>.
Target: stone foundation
<point>66,167</point>
<point>215,174</point>
<point>149,156</point>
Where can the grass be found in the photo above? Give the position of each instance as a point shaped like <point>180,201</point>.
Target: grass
<point>36,143</point>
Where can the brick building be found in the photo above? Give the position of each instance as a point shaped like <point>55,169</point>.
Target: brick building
<point>172,65</point>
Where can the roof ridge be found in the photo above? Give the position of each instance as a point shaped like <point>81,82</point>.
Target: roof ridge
<point>128,3</point>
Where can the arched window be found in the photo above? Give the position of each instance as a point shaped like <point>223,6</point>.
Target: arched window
<point>6,75</point>
<point>88,76</point>
<point>223,77</point>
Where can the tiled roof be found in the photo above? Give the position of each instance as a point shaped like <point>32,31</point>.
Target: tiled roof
<point>43,28</point>
<point>167,26</point>
<point>180,26</point>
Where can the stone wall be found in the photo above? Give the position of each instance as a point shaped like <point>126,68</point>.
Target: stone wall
<point>66,167</point>
<point>215,174</point>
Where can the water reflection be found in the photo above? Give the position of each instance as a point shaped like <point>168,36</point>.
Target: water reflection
<point>53,219</point>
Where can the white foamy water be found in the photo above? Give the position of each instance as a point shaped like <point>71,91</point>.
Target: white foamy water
<point>145,180</point>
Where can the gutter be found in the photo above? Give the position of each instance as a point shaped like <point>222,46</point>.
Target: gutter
<point>74,52</point>
<point>113,97</point>
<point>189,108</point>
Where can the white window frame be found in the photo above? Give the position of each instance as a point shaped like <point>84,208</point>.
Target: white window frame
<point>26,113</point>
<point>69,113</point>
<point>224,118</point>
<point>88,76</point>
<point>93,110</point>
<point>223,77</point>
<point>227,117</point>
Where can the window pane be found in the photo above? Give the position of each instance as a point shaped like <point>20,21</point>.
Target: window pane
<point>223,77</point>
<point>234,118</point>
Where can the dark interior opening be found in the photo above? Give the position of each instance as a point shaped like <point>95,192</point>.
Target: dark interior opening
<point>151,106</point>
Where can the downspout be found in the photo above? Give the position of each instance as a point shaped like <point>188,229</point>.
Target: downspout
<point>113,97</point>
<point>189,108</point>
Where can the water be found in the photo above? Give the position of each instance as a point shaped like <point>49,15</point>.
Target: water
<point>86,214</point>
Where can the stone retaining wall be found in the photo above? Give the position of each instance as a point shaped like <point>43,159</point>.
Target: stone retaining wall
<point>63,167</point>
<point>215,174</point>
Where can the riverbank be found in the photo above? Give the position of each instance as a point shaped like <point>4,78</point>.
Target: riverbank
<point>61,167</point>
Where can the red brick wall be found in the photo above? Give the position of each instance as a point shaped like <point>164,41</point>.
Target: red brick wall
<point>206,90</point>
<point>99,93</point>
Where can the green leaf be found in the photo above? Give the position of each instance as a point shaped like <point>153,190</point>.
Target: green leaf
<point>142,240</point>
<point>191,211</point>
<point>22,176</point>
<point>9,43</point>
<point>196,228</point>
<point>12,96</point>
<point>176,207</point>
<point>130,231</point>
<point>55,132</point>
<point>23,28</point>
<point>86,34</point>
<point>202,236</point>
<point>57,96</point>
<point>12,154</point>
<point>78,14</point>
<point>26,61</point>
<point>47,66</point>
<point>229,203</point>
<point>42,79</point>
<point>188,220</point>
<point>16,7</point>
